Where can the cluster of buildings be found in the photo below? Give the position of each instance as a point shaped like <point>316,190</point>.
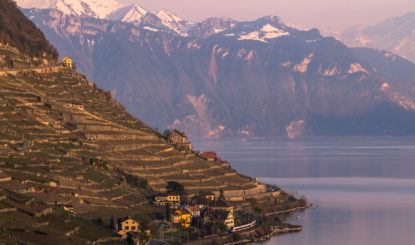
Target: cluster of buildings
<point>210,210</point>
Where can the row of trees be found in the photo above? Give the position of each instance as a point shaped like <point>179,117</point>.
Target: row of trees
<point>20,32</point>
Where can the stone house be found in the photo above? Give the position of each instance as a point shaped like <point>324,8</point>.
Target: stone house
<point>179,140</point>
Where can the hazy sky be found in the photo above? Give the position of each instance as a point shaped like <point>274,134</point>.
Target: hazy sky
<point>338,14</point>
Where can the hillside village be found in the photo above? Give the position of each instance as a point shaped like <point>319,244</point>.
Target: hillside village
<point>69,151</point>
<point>77,168</point>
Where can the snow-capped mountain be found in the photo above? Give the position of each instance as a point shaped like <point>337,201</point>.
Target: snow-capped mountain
<point>174,22</point>
<point>130,14</point>
<point>226,78</point>
<point>90,8</point>
<point>110,10</point>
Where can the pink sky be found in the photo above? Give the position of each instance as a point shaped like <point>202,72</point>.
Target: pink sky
<point>337,14</point>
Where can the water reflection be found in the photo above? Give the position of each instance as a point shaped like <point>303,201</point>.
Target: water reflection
<point>323,158</point>
<point>353,211</point>
<point>364,189</point>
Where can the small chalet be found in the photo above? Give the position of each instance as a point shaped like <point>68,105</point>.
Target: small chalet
<point>171,199</point>
<point>179,140</point>
<point>127,225</point>
<point>181,216</point>
<point>194,211</point>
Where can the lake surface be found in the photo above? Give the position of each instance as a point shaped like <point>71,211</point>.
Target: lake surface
<point>364,190</point>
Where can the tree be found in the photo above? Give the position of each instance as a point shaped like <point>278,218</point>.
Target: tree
<point>175,187</point>
<point>221,195</point>
<point>112,223</point>
<point>168,212</point>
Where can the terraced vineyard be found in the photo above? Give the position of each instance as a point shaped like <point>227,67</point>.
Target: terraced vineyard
<point>64,141</point>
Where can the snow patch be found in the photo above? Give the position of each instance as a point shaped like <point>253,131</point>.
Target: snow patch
<point>135,14</point>
<point>266,32</point>
<point>150,29</point>
<point>252,36</point>
<point>175,23</point>
<point>92,8</point>
<point>329,71</point>
<point>303,66</point>
<point>356,67</point>
<point>218,30</point>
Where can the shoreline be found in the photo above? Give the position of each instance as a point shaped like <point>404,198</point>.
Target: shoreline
<point>254,232</point>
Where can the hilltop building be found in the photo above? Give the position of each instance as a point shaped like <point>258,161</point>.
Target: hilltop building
<point>179,140</point>
<point>67,62</point>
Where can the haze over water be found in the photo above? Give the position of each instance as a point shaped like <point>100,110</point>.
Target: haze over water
<point>364,189</point>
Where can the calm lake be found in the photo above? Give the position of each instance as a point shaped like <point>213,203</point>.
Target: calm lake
<point>364,190</point>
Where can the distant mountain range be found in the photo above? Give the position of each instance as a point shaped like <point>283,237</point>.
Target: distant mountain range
<point>224,78</point>
<point>396,35</point>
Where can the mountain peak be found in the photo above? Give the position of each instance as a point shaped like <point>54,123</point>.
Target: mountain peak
<point>168,16</point>
<point>134,14</point>
<point>91,8</point>
<point>174,22</point>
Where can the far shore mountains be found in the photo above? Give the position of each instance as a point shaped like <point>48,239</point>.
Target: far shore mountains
<point>224,78</point>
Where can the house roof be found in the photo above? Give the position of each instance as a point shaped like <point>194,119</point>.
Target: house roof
<point>127,218</point>
<point>194,208</point>
<point>181,133</point>
<point>209,154</point>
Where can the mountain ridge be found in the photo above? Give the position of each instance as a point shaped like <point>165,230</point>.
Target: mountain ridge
<point>226,78</point>
<point>396,35</point>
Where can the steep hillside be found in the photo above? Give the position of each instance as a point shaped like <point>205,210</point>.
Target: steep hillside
<point>65,142</point>
<point>19,32</point>
<point>224,78</point>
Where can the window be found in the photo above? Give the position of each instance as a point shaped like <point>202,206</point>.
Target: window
<point>133,227</point>
<point>127,228</point>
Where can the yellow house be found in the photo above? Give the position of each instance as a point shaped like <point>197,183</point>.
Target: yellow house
<point>181,216</point>
<point>173,198</point>
<point>67,61</point>
<point>128,225</point>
